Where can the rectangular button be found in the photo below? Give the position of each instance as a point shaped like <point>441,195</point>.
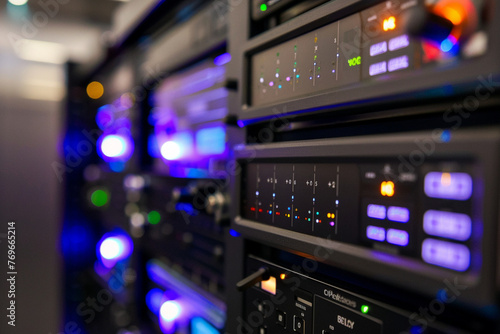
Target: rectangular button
<point>376,211</point>
<point>281,318</point>
<point>449,225</point>
<point>299,324</point>
<point>375,233</point>
<point>454,186</point>
<point>446,254</point>
<point>398,214</point>
<point>399,42</point>
<point>397,237</point>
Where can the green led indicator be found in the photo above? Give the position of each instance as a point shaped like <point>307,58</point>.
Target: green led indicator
<point>154,217</point>
<point>295,47</point>
<point>99,198</point>
<point>315,57</point>
<point>263,7</point>
<point>277,54</point>
<point>365,309</point>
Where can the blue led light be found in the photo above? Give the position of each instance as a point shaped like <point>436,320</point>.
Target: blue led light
<point>154,300</point>
<point>233,233</point>
<point>115,147</point>
<point>201,326</point>
<point>170,150</point>
<point>447,45</point>
<point>114,247</point>
<point>223,59</point>
<point>446,136</point>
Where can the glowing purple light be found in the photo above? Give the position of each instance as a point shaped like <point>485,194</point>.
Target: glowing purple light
<point>450,225</point>
<point>398,214</point>
<point>271,84</point>
<point>446,254</point>
<point>397,237</point>
<point>454,186</point>
<point>375,233</point>
<point>288,79</point>
<point>104,117</point>
<point>376,211</point>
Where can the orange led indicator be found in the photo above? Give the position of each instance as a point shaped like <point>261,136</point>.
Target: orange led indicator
<point>282,276</point>
<point>389,23</point>
<point>387,188</point>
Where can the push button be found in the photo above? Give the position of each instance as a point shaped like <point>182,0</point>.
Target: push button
<point>281,318</point>
<point>299,324</point>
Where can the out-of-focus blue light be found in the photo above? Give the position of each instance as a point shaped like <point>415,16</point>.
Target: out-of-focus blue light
<point>154,300</point>
<point>234,233</point>
<point>211,141</point>
<point>201,326</point>
<point>113,146</point>
<point>170,150</point>
<point>446,136</point>
<point>113,247</point>
<point>170,310</point>
<point>105,117</point>
<point>448,44</point>
<point>223,59</point>
<point>153,148</point>
<point>76,243</point>
<point>117,166</point>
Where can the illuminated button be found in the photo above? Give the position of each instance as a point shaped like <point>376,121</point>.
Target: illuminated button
<point>397,237</point>
<point>378,49</point>
<point>378,68</point>
<point>269,285</point>
<point>387,188</point>
<point>262,330</point>
<point>399,63</point>
<point>398,214</point>
<point>376,211</point>
<point>281,318</point>
<point>389,24</point>
<point>298,324</point>
<point>375,233</point>
<point>450,225</point>
<point>399,42</point>
<point>446,254</point>
<point>454,186</point>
